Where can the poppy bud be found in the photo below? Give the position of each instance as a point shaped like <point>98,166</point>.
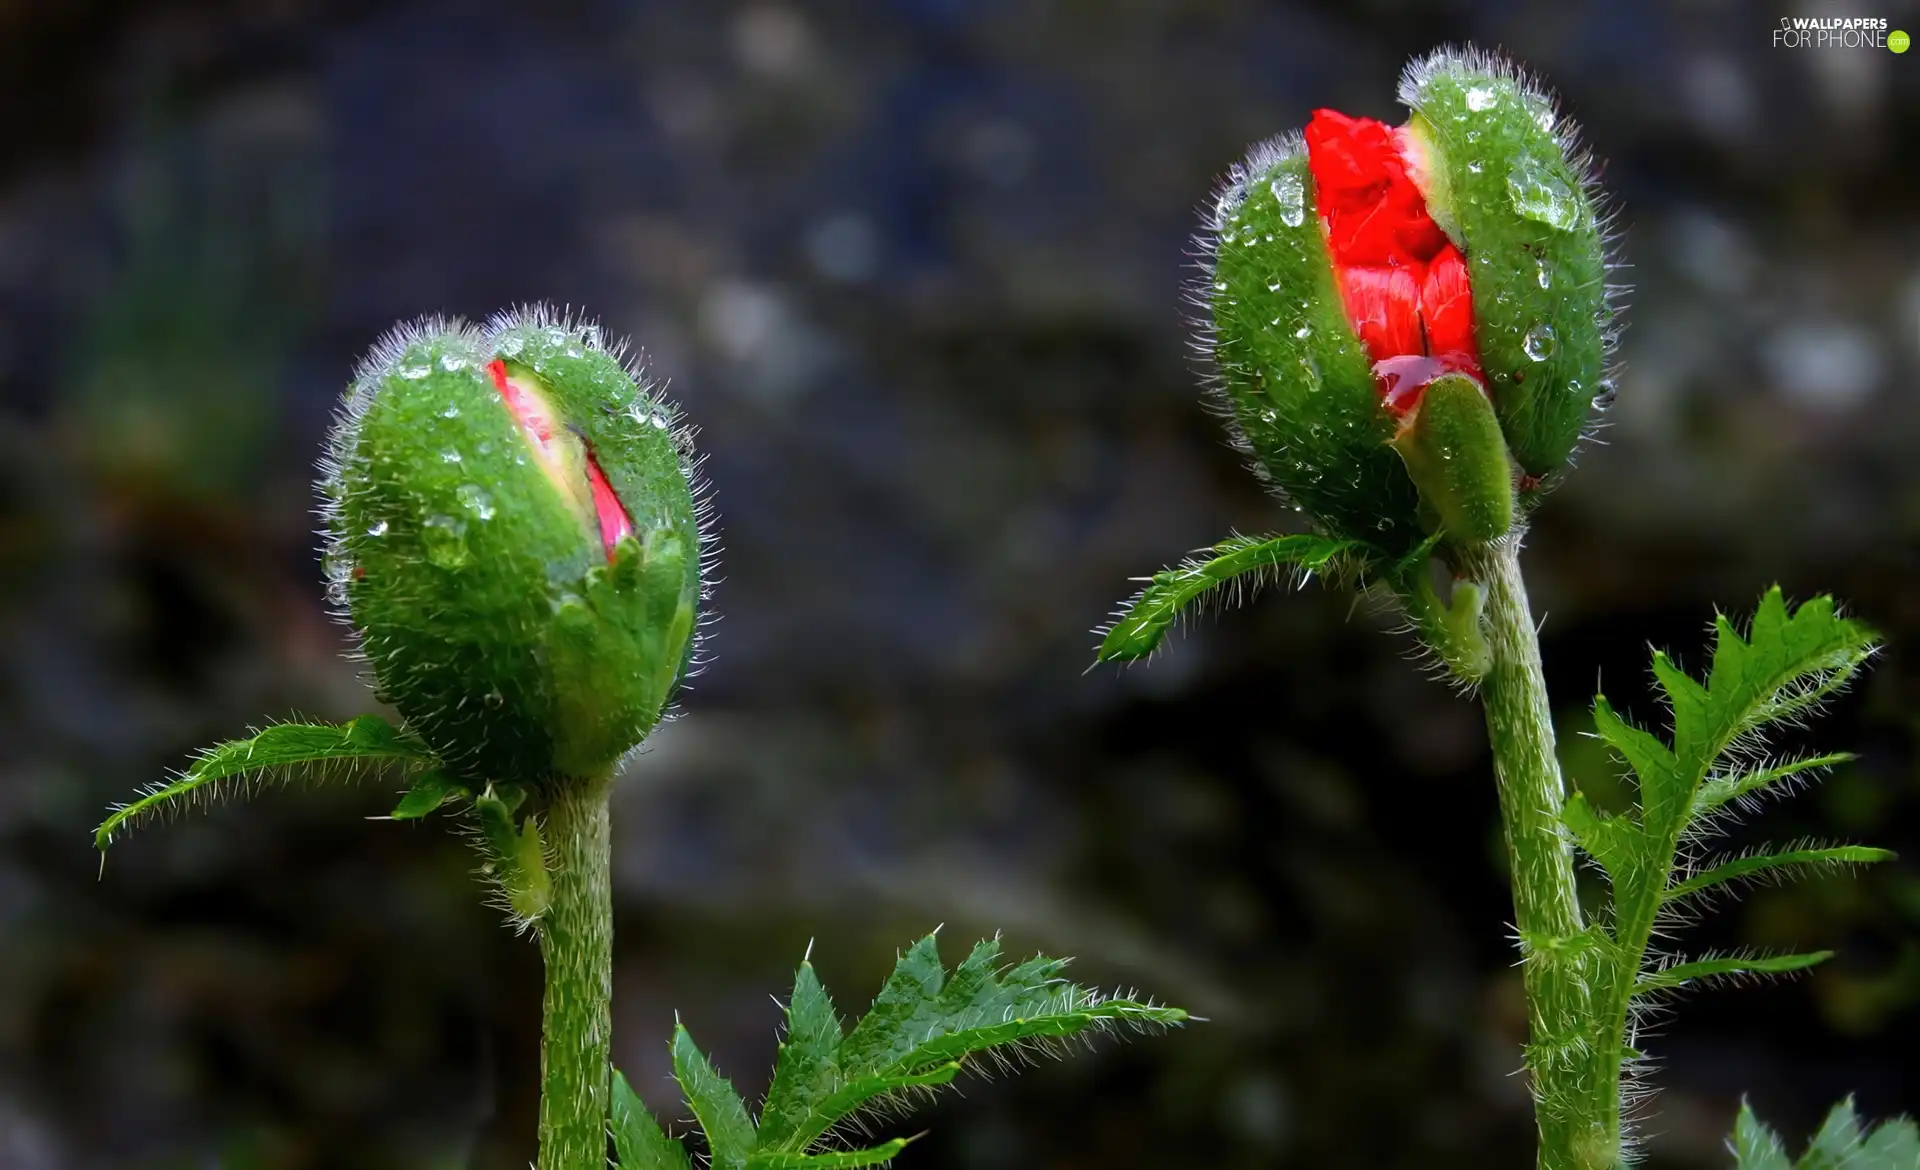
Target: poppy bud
<point>513,534</point>
<point>1357,266</point>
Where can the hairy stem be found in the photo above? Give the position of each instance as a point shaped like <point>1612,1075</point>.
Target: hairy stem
<point>576,943</point>
<point>1578,1117</point>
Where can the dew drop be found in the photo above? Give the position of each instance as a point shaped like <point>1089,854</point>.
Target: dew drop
<point>1482,97</point>
<point>449,456</point>
<point>452,411</point>
<point>1540,342</point>
<point>445,539</point>
<point>1543,273</point>
<point>377,528</point>
<point>511,346</point>
<point>475,499</point>
<point>451,362</point>
<point>414,373</point>
<point>1542,196</point>
<point>1474,168</point>
<point>1304,332</point>
<point>1290,192</point>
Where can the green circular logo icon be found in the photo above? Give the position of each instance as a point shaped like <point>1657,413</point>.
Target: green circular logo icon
<point>1898,40</point>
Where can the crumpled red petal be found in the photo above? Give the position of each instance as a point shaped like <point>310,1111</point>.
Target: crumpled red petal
<point>1405,287</point>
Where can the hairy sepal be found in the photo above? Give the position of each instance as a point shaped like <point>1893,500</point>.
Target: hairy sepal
<point>1512,184</point>
<point>1295,378</point>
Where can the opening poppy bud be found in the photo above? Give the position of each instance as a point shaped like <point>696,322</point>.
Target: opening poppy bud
<point>513,534</point>
<point>1501,174</point>
<point>1455,453</point>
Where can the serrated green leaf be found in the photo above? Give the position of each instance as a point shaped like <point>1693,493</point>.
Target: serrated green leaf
<point>851,1096</point>
<point>908,1003</point>
<point>718,1108</point>
<point>1843,1143</point>
<point>637,1138</point>
<point>367,740</point>
<point>1895,1145</point>
<point>1836,1142</point>
<point>1788,663</point>
<point>1652,762</point>
<point>1754,1146</point>
<point>1753,864</point>
<point>1613,841</point>
<point>430,790</point>
<point>923,1026</point>
<point>1688,700</point>
<point>835,1160</point>
<point>1671,977</point>
<point>1722,790</point>
<point>808,1069</point>
<point>1155,608</point>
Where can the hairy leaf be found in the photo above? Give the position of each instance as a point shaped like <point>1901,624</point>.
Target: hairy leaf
<point>1754,1146</point>
<point>925,1025</point>
<point>430,790</point>
<point>637,1138</point>
<point>1668,978</point>
<point>1764,862</point>
<point>1719,791</point>
<point>807,1071</point>
<point>344,747</point>
<point>1145,619</point>
<point>719,1110</point>
<point>1786,663</point>
<point>873,1156</point>
<point>1843,1143</point>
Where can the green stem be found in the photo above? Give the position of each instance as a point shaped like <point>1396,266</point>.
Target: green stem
<point>576,943</point>
<point>1578,1118</point>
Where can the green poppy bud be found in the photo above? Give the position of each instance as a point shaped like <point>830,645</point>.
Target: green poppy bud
<point>513,533</point>
<point>1358,266</point>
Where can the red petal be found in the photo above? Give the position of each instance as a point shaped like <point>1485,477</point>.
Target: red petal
<point>615,524</point>
<point>1384,306</point>
<point>543,430</point>
<point>1446,304</point>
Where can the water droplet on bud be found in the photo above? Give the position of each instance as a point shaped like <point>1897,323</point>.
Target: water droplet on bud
<point>475,499</point>
<point>377,529</point>
<point>1482,97</point>
<point>1542,196</point>
<point>1290,192</point>
<point>445,539</point>
<point>1540,342</point>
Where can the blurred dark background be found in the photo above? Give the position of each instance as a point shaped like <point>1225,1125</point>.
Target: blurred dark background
<point>915,269</point>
